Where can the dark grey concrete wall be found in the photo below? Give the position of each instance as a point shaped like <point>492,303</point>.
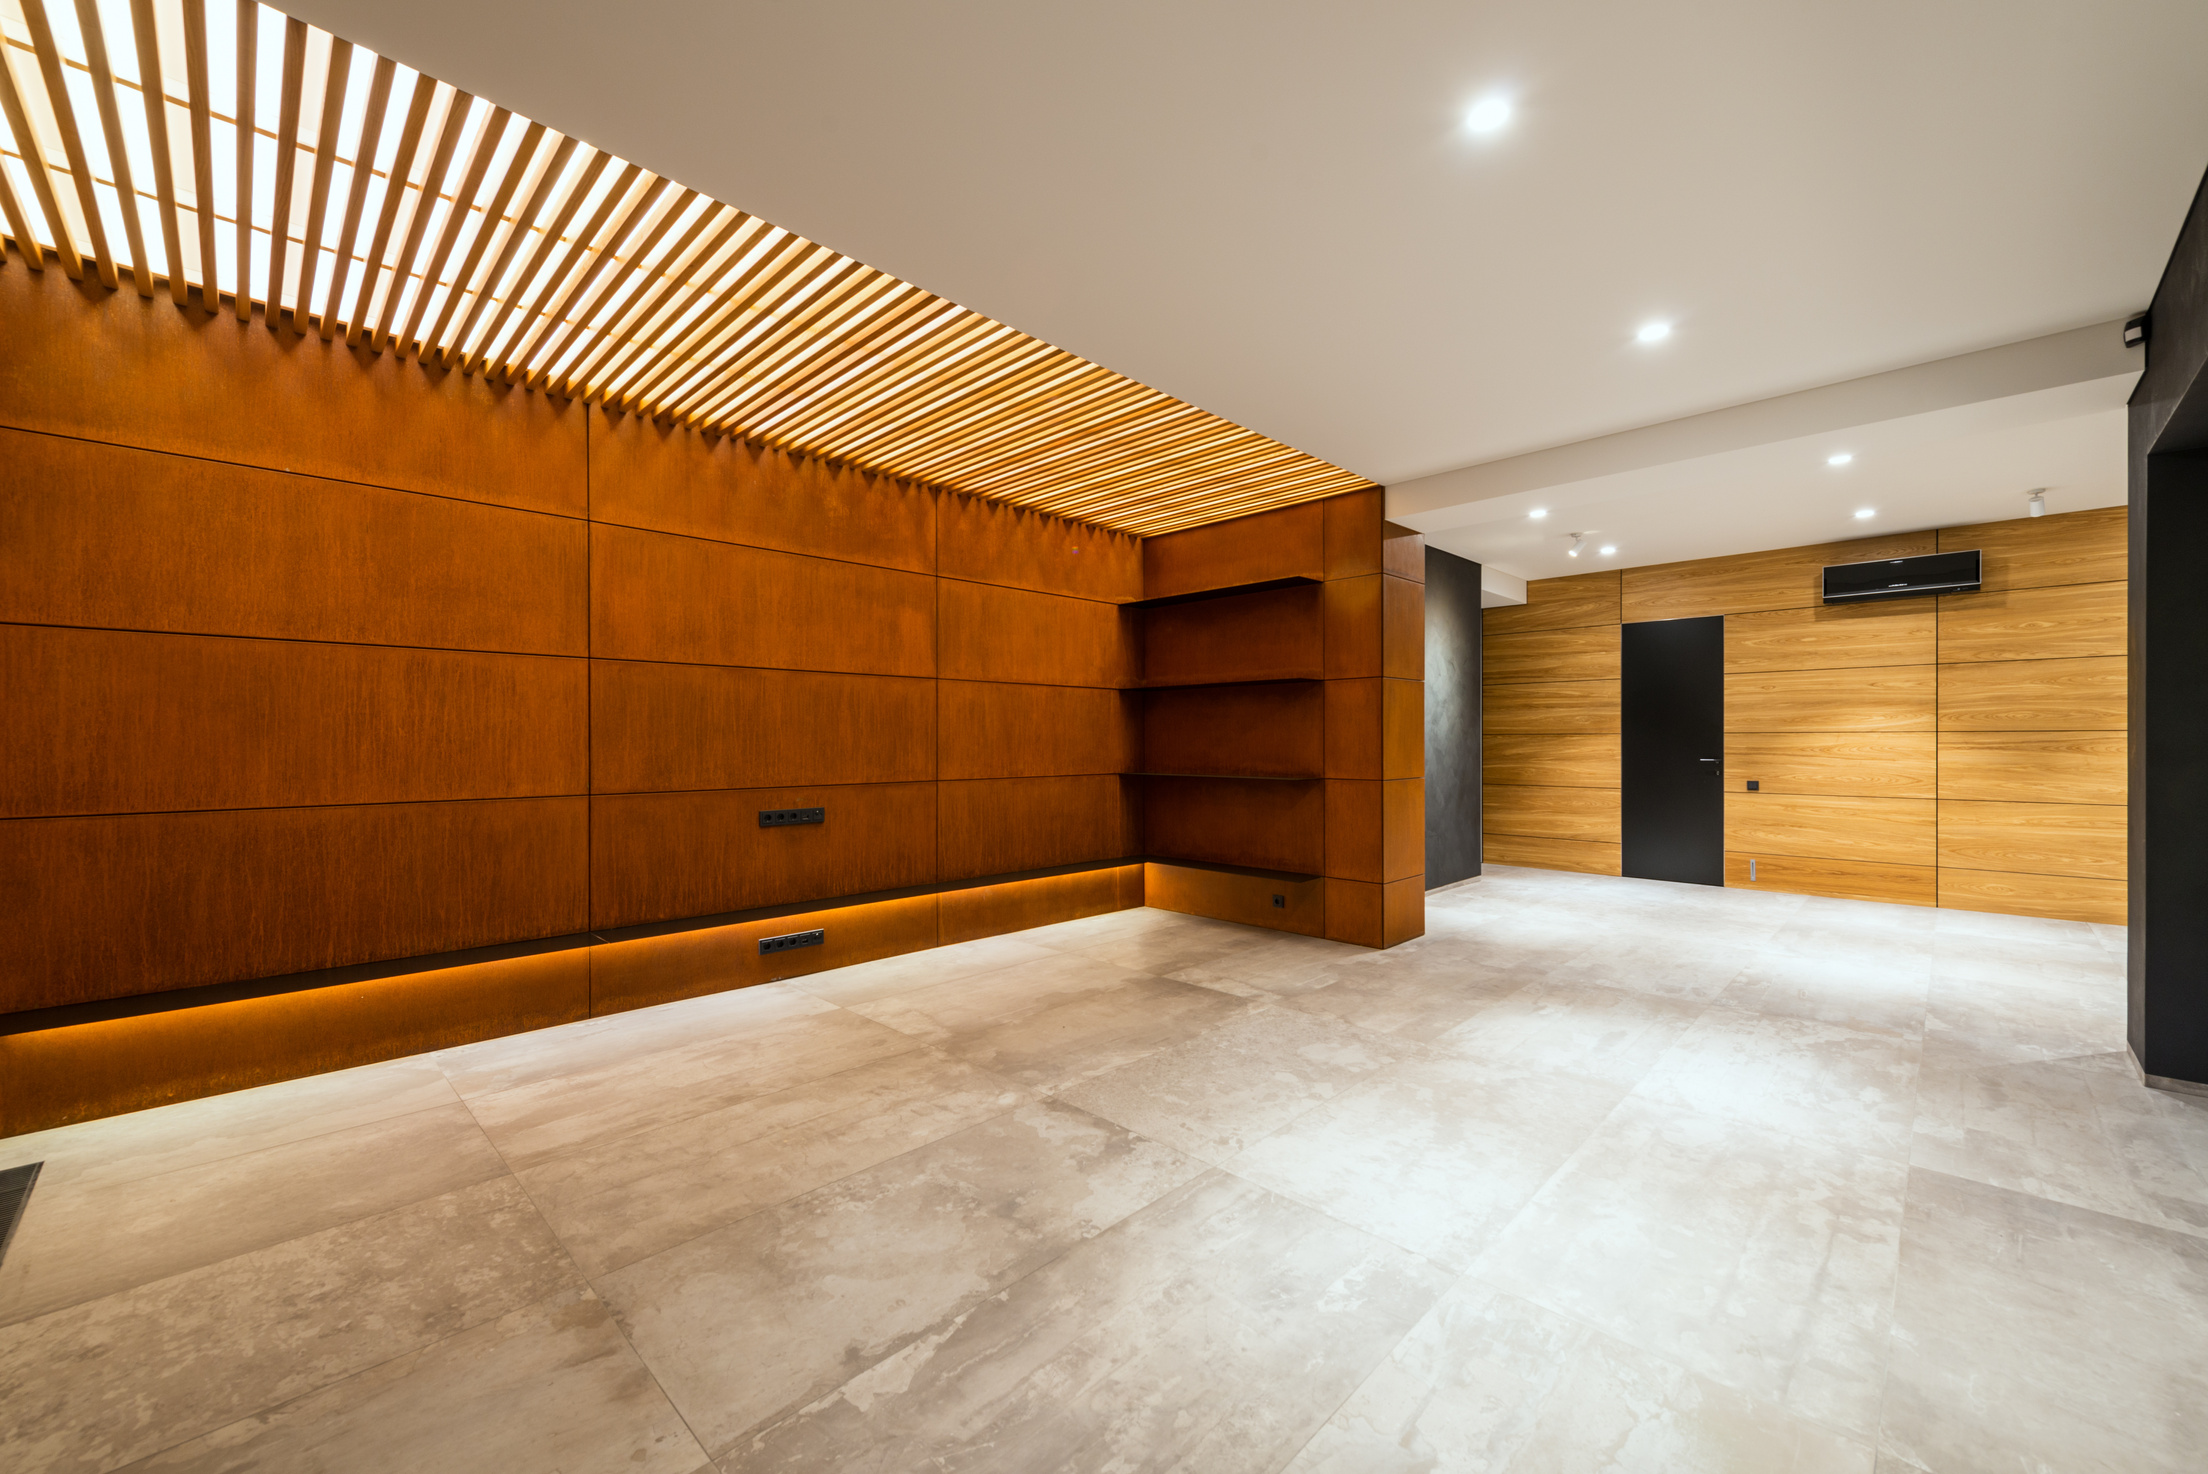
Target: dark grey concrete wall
<point>2169,650</point>
<point>1452,718</point>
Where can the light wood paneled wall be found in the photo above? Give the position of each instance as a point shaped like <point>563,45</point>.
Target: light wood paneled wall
<point>1965,751</point>
<point>1550,690</point>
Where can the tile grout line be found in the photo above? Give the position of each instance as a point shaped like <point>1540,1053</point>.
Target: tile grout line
<point>613,1316</point>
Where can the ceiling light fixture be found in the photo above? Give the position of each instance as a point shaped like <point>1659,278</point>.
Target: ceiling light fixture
<point>1864,513</point>
<point>1607,550</point>
<point>1488,115</point>
<point>1653,332</point>
<point>2038,502</point>
<point>1538,513</point>
<point>1579,540</point>
<point>1839,458</point>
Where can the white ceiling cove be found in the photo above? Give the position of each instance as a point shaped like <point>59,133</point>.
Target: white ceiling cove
<point>1269,209</point>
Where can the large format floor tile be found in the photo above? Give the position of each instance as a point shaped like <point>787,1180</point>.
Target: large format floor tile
<point>1598,1174</point>
<point>2034,1335</point>
<point>751,1322</point>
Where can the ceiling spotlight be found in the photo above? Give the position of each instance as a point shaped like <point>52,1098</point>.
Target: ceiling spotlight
<point>1488,115</point>
<point>1864,513</point>
<point>1607,550</point>
<point>1839,458</point>
<point>1579,540</point>
<point>1653,332</point>
<point>1538,513</point>
<point>2038,502</point>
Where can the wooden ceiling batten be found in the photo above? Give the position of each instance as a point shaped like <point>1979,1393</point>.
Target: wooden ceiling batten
<point>476,239</point>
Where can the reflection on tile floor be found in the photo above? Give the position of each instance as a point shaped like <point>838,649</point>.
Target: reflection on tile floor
<point>1597,1175</point>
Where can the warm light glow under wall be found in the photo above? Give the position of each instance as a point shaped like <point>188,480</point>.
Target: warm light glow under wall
<point>371,202</point>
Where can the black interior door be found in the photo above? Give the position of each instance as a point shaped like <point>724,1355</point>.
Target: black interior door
<point>1673,747</point>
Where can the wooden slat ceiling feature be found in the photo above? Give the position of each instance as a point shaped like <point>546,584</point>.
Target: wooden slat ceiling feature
<point>418,219</point>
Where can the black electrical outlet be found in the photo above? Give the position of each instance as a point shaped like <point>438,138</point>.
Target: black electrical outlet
<point>795,939</point>
<point>1752,785</point>
<point>775,818</point>
<point>1281,902</point>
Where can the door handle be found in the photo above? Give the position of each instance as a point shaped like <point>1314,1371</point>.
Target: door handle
<point>1720,768</point>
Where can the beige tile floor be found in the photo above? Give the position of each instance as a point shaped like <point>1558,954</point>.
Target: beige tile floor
<point>1598,1175</point>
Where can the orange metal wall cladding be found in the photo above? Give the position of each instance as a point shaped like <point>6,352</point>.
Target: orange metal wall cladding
<point>1271,730</point>
<point>120,369</point>
<point>315,658</point>
<point>992,729</point>
<point>117,904</point>
<point>995,826</point>
<point>1263,823</point>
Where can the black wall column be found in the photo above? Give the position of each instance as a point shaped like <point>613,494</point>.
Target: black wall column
<point>2169,676</point>
<point>1452,718</point>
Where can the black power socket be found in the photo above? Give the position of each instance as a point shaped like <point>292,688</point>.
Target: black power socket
<point>1281,902</point>
<point>776,818</point>
<point>794,939</point>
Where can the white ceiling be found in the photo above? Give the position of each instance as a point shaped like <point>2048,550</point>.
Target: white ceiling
<point>1268,209</point>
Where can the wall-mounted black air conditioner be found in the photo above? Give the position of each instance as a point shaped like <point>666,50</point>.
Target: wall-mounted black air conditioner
<point>1902,578</point>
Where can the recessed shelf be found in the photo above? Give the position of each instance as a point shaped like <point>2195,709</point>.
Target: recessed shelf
<point>1149,685</point>
<point>1239,777</point>
<point>1226,593</point>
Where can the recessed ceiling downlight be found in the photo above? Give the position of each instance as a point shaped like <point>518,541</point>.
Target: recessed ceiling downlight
<point>1653,332</point>
<point>1538,513</point>
<point>1489,115</point>
<point>1839,458</point>
<point>1606,550</point>
<point>1864,514</point>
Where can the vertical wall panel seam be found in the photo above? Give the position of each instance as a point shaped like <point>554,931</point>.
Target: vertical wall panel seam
<point>590,731</point>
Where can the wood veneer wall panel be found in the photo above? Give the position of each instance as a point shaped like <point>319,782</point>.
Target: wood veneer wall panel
<point>1901,698</point>
<point>109,906</point>
<point>1004,634</point>
<point>658,726</point>
<point>2034,624</point>
<point>1356,628</point>
<point>2051,767</point>
<point>1560,603</point>
<point>644,474</point>
<point>2064,897</point>
<point>118,368</point>
<point>1893,831</point>
<point>1583,760</point>
<point>996,730</point>
<point>1229,895</point>
<point>1261,823</point>
<point>1275,634</point>
<point>2042,839</point>
<point>1551,813</point>
<point>1847,880</point>
<point>1784,578</point>
<point>1858,764</point>
<point>655,596</point>
<point>1583,653</point>
<point>108,721</point>
<point>666,856</point>
<point>2086,694</point>
<point>992,910</point>
<point>1375,831</point>
<point>1552,707</point>
<point>1588,857</point>
<point>996,826</point>
<point>986,541</point>
<point>2035,552</point>
<point>105,536</point>
<point>1289,542</point>
<point>1830,636</point>
<point>645,971</point>
<point>1274,729</point>
<point>1403,554</point>
<point>53,1077</point>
